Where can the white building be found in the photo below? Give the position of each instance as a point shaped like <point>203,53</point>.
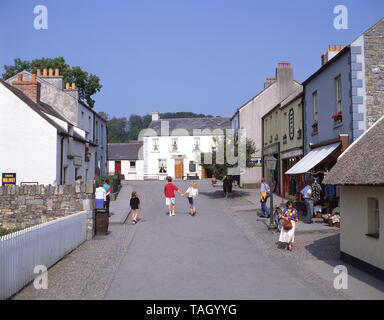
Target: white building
<point>172,147</point>
<point>65,102</point>
<point>126,158</point>
<point>36,142</point>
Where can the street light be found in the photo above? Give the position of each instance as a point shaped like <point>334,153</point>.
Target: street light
<point>271,166</point>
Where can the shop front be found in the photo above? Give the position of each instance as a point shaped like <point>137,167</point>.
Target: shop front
<point>291,184</point>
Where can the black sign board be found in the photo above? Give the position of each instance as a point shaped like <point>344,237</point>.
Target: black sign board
<point>291,124</point>
<point>8,179</point>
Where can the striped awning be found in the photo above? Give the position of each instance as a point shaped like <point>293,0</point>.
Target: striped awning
<point>313,158</point>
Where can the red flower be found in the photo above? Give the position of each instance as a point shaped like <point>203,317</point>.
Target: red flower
<point>334,116</point>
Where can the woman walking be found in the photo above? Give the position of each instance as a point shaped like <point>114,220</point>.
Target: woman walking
<point>291,223</point>
<point>192,194</point>
<point>135,205</point>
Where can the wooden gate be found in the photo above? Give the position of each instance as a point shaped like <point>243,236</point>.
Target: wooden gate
<point>179,168</point>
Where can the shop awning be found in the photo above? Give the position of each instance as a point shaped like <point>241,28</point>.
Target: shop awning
<point>313,158</point>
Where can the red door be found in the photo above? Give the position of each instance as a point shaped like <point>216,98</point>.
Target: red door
<point>117,167</point>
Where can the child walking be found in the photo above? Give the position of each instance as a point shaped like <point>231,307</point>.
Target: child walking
<point>135,205</point>
<point>169,192</point>
<point>192,194</point>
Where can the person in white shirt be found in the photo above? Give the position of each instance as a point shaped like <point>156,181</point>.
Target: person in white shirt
<point>192,194</point>
<point>100,196</point>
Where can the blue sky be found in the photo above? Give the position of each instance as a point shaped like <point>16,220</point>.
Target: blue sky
<point>205,56</point>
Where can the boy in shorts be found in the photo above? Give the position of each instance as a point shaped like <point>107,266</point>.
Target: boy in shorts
<point>169,192</point>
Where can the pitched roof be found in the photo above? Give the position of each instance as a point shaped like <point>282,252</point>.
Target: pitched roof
<point>363,162</point>
<point>43,110</point>
<point>125,151</point>
<point>191,124</point>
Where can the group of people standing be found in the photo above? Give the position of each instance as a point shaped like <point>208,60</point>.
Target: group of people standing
<point>103,195</point>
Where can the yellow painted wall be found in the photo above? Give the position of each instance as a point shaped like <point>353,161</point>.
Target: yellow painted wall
<point>277,122</point>
<point>354,224</point>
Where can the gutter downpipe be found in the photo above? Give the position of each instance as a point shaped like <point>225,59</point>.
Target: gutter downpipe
<point>61,160</point>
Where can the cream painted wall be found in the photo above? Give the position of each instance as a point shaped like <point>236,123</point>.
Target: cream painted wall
<point>28,143</point>
<point>354,224</point>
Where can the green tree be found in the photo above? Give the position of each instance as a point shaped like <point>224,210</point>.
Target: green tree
<point>220,170</point>
<point>87,84</point>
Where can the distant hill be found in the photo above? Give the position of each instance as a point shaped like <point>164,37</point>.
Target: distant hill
<point>124,130</point>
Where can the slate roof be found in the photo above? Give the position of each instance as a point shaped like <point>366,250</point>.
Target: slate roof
<point>363,162</point>
<point>189,124</point>
<point>42,109</point>
<point>125,151</point>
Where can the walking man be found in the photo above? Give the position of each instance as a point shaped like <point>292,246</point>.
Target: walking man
<point>264,194</point>
<point>307,193</point>
<point>169,191</point>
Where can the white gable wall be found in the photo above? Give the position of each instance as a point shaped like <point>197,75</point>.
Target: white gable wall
<point>28,143</point>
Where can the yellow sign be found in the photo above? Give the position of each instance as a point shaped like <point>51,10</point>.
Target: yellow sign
<point>8,179</point>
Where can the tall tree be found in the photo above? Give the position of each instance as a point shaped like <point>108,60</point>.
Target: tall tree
<point>87,84</point>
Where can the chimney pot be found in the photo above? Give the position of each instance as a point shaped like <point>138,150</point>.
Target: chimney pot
<point>57,73</point>
<point>45,72</point>
<point>67,86</point>
<point>38,71</point>
<point>73,86</point>
<point>50,72</point>
<point>20,77</point>
<point>33,78</point>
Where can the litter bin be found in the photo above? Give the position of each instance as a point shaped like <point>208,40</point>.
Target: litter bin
<point>102,221</point>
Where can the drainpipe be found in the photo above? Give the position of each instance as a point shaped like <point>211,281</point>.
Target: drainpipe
<point>61,160</point>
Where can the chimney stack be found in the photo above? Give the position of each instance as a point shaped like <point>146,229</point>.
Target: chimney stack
<point>53,78</point>
<point>29,88</point>
<point>269,82</point>
<point>332,51</point>
<point>155,115</point>
<point>71,90</point>
<point>284,78</point>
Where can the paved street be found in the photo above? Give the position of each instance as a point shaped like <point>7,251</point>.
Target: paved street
<point>219,254</point>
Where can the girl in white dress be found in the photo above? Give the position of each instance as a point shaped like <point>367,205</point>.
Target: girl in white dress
<point>288,236</point>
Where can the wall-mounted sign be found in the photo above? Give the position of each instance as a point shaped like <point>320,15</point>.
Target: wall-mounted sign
<point>77,161</point>
<point>8,179</point>
<point>256,162</point>
<point>291,124</point>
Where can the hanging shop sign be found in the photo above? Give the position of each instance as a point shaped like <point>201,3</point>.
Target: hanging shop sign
<point>291,124</point>
<point>8,179</point>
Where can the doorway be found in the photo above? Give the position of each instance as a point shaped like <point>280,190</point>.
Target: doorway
<point>179,168</point>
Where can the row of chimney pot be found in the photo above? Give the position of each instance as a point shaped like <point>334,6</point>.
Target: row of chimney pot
<point>336,47</point>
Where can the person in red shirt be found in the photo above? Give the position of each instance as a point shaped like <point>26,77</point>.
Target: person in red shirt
<point>169,191</point>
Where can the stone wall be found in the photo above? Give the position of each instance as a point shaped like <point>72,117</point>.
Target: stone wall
<point>23,206</point>
<point>374,72</point>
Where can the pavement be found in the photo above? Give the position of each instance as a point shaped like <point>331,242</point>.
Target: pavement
<point>119,208</point>
<point>253,204</point>
<point>220,253</point>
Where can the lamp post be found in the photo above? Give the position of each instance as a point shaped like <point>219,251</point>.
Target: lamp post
<point>271,165</point>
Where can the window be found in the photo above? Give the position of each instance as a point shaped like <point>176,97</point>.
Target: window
<point>65,175</point>
<point>89,124</point>
<point>86,175</point>
<point>132,165</point>
<point>97,132</point>
<point>174,144</point>
<point>338,94</point>
<point>82,119</point>
<point>102,135</point>
<point>155,144</point>
<point>162,165</point>
<point>196,143</point>
<point>76,173</point>
<point>69,146</point>
<point>373,218</point>
<point>314,100</point>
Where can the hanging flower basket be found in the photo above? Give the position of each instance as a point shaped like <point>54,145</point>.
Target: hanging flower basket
<point>315,126</point>
<point>337,118</point>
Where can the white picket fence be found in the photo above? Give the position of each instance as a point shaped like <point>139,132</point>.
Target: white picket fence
<point>43,244</point>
